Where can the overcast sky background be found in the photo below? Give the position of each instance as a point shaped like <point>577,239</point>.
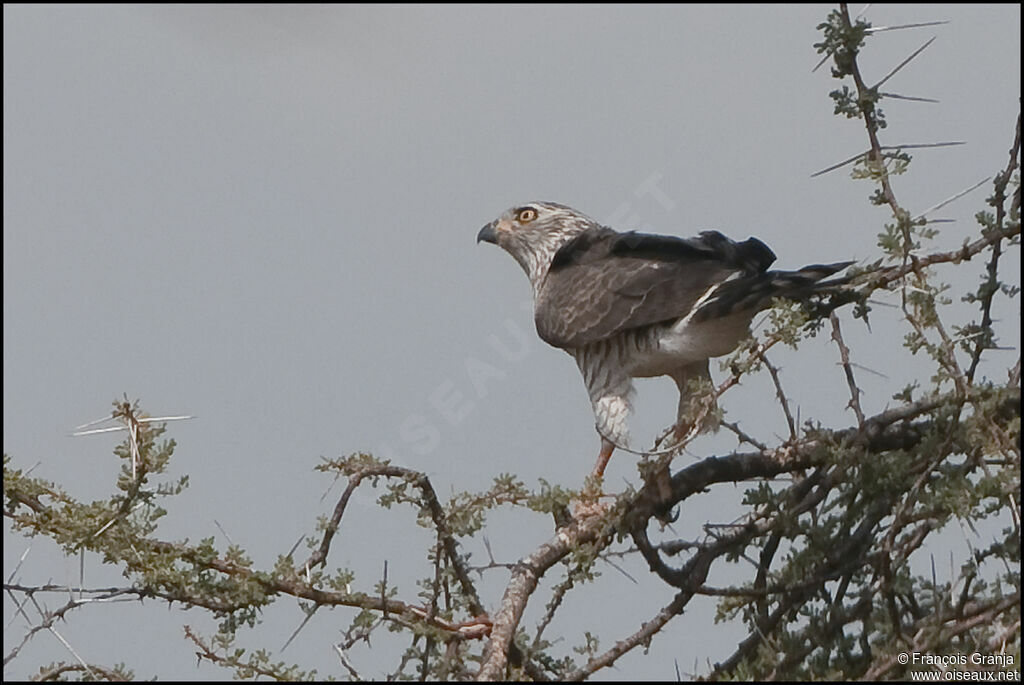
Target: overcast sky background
<point>265,216</point>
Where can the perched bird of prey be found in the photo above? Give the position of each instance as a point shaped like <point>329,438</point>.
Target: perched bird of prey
<point>633,305</point>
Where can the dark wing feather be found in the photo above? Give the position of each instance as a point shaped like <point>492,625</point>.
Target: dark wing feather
<point>603,282</point>
<point>755,291</point>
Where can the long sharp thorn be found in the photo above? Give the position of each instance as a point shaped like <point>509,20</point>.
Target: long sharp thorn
<point>879,29</point>
<point>916,146</point>
<point>101,430</point>
<point>951,199</point>
<point>840,164</point>
<point>108,417</point>
<point>823,60</point>
<point>896,96</point>
<point>904,63</point>
<point>884,148</point>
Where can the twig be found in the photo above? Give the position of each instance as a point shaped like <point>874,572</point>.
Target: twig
<point>781,395</point>
<point>992,270</point>
<point>743,437</point>
<point>844,354</point>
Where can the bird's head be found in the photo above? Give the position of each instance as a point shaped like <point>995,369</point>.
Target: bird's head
<point>533,232</point>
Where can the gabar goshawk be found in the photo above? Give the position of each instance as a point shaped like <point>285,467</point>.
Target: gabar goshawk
<point>635,305</point>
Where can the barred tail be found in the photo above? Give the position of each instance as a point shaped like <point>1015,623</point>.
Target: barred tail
<point>755,291</point>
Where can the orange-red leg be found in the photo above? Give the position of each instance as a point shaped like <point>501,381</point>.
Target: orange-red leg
<point>607,447</point>
<point>588,504</point>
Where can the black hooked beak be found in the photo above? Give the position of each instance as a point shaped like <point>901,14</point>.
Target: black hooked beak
<point>487,234</point>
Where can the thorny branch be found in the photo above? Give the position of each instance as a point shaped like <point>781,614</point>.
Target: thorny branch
<point>783,402</point>
<point>887,430</point>
<point>857,549</point>
<point>844,354</point>
<point>866,99</point>
<point>991,285</point>
<point>437,514</point>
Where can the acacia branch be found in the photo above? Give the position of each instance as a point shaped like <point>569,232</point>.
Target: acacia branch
<point>437,515</point>
<point>644,634</point>
<point>774,373</point>
<point>992,269</point>
<point>844,354</point>
<point>525,576</point>
<point>929,639</point>
<point>866,100</point>
<point>883,276</point>
<point>887,430</point>
<point>55,672</point>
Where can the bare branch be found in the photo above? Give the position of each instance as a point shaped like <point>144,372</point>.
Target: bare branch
<point>781,395</point>
<point>844,354</point>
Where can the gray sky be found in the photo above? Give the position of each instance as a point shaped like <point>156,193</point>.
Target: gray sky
<point>265,216</point>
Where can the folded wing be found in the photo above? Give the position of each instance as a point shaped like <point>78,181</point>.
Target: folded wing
<point>603,282</point>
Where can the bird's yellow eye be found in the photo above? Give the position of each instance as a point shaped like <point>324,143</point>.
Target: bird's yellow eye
<point>526,215</point>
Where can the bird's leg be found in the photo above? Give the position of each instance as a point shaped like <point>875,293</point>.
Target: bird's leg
<point>685,415</point>
<point>588,504</point>
<point>592,486</point>
<point>609,386</point>
<point>607,447</point>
